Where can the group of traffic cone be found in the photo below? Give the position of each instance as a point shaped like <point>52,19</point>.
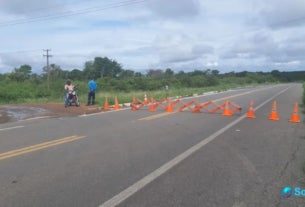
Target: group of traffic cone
<point>167,105</point>
<point>274,115</point>
<point>116,105</point>
<point>228,108</point>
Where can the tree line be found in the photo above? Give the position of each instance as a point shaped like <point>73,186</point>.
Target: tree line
<point>111,76</point>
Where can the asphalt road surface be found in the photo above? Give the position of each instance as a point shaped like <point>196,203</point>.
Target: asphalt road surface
<point>140,158</point>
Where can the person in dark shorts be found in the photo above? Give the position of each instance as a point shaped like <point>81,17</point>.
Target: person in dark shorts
<point>91,95</point>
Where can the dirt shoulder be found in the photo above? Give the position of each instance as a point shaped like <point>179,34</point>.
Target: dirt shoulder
<point>10,113</point>
<point>57,109</point>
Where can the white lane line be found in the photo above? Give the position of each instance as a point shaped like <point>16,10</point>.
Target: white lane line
<point>35,118</point>
<point>10,128</point>
<point>103,112</point>
<point>122,196</point>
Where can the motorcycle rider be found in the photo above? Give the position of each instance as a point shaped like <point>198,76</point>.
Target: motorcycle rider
<point>69,87</point>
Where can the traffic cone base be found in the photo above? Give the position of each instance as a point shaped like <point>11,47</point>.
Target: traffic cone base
<point>169,108</point>
<point>227,111</point>
<point>116,104</point>
<point>274,116</point>
<point>251,111</point>
<point>106,104</point>
<point>251,114</point>
<point>295,117</point>
<point>152,107</point>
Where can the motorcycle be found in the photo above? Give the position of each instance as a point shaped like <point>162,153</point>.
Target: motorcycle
<point>71,98</point>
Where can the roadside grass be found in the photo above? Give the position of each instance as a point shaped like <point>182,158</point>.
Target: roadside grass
<point>304,98</point>
<point>126,97</point>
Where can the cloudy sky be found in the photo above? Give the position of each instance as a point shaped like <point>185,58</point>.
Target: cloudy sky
<point>141,34</point>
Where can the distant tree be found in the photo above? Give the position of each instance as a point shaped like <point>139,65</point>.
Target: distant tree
<point>181,73</point>
<point>55,72</point>
<point>231,74</point>
<point>208,72</point>
<point>76,74</point>
<point>276,73</point>
<point>105,67</point>
<point>138,74</point>
<point>197,72</point>
<point>89,71</point>
<point>126,73</point>
<point>22,73</point>
<point>37,79</point>
<point>215,72</point>
<point>241,74</point>
<point>154,73</point>
<point>169,72</point>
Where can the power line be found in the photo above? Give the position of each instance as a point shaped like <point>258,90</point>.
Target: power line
<point>20,51</point>
<point>71,13</point>
<point>62,12</point>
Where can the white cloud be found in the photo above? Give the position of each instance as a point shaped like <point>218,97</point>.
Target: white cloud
<point>30,7</point>
<point>283,13</point>
<point>175,8</point>
<point>181,34</point>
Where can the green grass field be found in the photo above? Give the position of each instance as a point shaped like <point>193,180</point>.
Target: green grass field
<point>125,97</point>
<point>304,99</point>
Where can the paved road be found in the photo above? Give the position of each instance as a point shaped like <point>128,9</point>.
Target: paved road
<point>157,159</point>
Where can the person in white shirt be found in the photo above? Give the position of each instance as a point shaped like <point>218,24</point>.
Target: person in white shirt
<point>69,87</point>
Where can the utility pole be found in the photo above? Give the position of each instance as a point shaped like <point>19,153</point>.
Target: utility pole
<point>47,55</point>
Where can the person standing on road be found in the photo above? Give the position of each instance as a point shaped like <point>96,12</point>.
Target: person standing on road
<point>91,95</point>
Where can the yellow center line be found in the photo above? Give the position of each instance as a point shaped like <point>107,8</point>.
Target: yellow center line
<point>156,116</point>
<point>21,151</point>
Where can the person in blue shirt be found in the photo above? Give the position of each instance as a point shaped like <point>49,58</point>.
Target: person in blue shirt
<point>91,95</point>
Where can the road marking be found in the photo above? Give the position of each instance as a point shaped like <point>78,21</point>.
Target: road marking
<point>103,112</point>
<point>33,148</point>
<point>122,196</point>
<point>10,128</point>
<point>35,118</point>
<point>156,116</point>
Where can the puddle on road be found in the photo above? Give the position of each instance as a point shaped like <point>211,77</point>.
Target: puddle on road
<point>16,113</point>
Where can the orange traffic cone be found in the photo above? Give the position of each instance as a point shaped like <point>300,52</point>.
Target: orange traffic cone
<point>145,99</point>
<point>116,104</point>
<point>251,112</point>
<point>152,107</point>
<point>295,117</point>
<point>169,107</point>
<point>274,116</point>
<point>106,104</point>
<point>227,111</point>
<point>133,104</point>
